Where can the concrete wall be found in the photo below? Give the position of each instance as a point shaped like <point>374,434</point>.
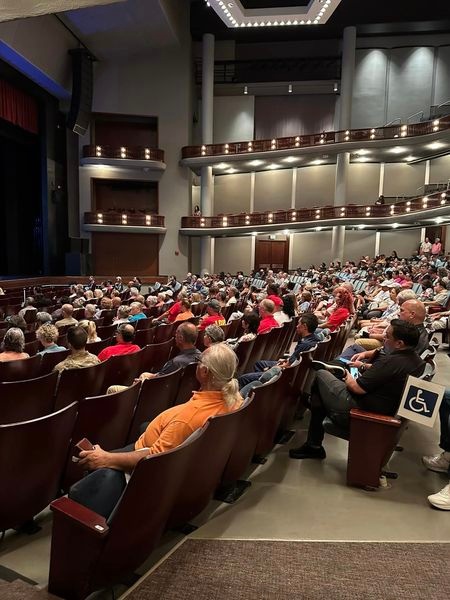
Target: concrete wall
<point>233,118</point>
<point>233,254</point>
<point>232,193</point>
<point>273,189</point>
<point>403,242</point>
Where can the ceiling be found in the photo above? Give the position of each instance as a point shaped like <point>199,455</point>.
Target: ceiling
<point>18,9</point>
<point>378,17</point>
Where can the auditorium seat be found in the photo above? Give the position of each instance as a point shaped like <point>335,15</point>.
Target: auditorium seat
<point>32,458</point>
<point>122,369</point>
<point>32,347</point>
<point>16,370</point>
<point>28,399</point>
<point>50,359</point>
<point>106,331</point>
<point>144,337</point>
<point>188,384</point>
<point>155,356</point>
<point>271,399</point>
<point>243,353</point>
<point>76,384</point>
<point>97,347</point>
<point>162,333</point>
<point>103,420</point>
<point>88,553</point>
<point>157,394</point>
<point>142,324</point>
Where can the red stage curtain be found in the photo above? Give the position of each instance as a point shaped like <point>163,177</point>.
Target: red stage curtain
<point>18,108</point>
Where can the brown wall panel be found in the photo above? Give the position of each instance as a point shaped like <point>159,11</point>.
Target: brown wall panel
<point>125,253</point>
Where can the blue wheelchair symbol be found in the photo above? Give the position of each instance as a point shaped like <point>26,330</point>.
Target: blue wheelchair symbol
<point>421,401</point>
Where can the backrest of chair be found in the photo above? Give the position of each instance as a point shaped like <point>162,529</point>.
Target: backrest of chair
<point>97,347</point>
<point>122,369</point>
<point>142,323</point>
<point>271,399</point>
<point>76,384</point>
<point>188,384</point>
<point>103,420</point>
<point>235,325</point>
<point>106,331</point>
<point>50,359</point>
<point>155,356</point>
<point>157,395</point>
<point>144,337</point>
<point>243,353</point>
<point>32,348</point>
<point>32,457</point>
<point>261,341</point>
<point>17,370</point>
<point>107,315</point>
<point>28,399</point>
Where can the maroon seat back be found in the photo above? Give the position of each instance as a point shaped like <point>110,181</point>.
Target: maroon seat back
<point>157,395</point>
<point>17,370</point>
<point>76,384</point>
<point>97,347</point>
<point>33,347</point>
<point>122,369</point>
<point>243,353</point>
<point>103,420</point>
<point>144,337</point>
<point>32,471</point>
<point>142,324</point>
<point>259,346</point>
<point>28,399</point>
<point>188,384</point>
<point>106,331</point>
<point>87,553</point>
<point>107,315</point>
<point>51,359</point>
<point>155,356</point>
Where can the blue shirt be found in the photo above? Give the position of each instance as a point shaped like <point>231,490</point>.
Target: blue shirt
<point>303,345</point>
<point>137,317</point>
<point>52,348</point>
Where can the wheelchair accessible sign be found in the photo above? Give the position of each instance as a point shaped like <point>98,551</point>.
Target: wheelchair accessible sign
<point>421,401</point>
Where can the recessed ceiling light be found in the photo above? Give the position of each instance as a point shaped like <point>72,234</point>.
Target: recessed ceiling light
<point>362,152</point>
<point>438,220</point>
<point>255,163</point>
<point>273,166</point>
<point>361,159</point>
<point>231,171</point>
<point>317,161</point>
<point>394,225</point>
<point>221,166</point>
<point>291,159</point>
<point>362,226</point>
<point>435,145</point>
<point>286,231</point>
<point>409,158</point>
<point>398,150</point>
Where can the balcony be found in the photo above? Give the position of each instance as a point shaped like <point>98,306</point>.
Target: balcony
<point>126,221</point>
<point>126,157</point>
<point>418,141</point>
<point>415,211</point>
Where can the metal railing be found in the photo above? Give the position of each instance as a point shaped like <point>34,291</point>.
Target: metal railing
<point>123,152</point>
<point>133,218</point>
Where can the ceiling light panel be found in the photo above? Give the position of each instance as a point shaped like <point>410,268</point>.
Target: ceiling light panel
<point>233,14</point>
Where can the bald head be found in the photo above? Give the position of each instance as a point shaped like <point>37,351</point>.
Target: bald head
<point>125,333</point>
<point>413,311</point>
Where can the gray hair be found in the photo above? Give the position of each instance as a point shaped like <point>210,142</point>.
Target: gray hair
<point>215,333</point>
<point>14,340</point>
<point>405,295</point>
<point>43,317</point>
<point>123,312</point>
<point>221,363</point>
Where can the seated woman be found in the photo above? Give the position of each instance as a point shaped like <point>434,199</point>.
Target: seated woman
<point>341,310</point>
<point>185,311</point>
<point>13,345</point>
<point>91,330</point>
<point>218,394</point>
<point>250,323</point>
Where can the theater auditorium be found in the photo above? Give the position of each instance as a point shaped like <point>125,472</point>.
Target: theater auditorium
<point>224,299</point>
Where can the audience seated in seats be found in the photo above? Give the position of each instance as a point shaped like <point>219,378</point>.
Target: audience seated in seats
<point>250,323</point>
<point>47,334</point>
<point>378,387</point>
<point>214,315</point>
<point>27,306</point>
<point>89,311</point>
<point>67,319</point>
<point>118,284</point>
<point>16,321</point>
<point>105,304</point>
<point>91,330</point>
<point>440,463</point>
<point>233,296</point>
<point>266,310</point>
<point>43,317</point>
<point>397,297</point>
<point>171,314</point>
<point>185,339</point>
<point>136,312</point>
<point>79,357</point>
<point>213,335</point>
<point>307,339</point>
<point>185,311</point>
<point>218,394</point>
<point>441,295</point>
<point>305,301</point>
<point>375,305</point>
<point>13,345</point>
<point>124,343</point>
<point>339,312</point>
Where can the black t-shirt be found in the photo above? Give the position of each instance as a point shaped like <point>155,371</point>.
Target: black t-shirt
<point>385,379</point>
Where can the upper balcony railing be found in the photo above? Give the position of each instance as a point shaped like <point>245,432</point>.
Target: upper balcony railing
<point>325,138</point>
<point>124,218</point>
<point>124,152</point>
<point>295,216</point>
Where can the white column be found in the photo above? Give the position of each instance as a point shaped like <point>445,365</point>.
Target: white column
<point>381,182</point>
<point>294,186</point>
<point>252,191</point>
<point>427,173</point>
<point>207,183</point>
<point>337,243</point>
<point>377,243</point>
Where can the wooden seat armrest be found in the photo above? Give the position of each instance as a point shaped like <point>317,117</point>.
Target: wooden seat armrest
<point>363,415</point>
<point>85,517</point>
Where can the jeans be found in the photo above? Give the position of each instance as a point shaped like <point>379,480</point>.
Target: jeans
<point>260,367</point>
<point>261,380</point>
<point>331,398</point>
<point>444,415</point>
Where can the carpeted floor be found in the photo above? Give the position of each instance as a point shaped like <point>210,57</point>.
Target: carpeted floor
<point>262,570</point>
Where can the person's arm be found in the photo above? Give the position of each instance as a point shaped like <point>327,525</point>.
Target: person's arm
<point>352,385</point>
<point>100,459</point>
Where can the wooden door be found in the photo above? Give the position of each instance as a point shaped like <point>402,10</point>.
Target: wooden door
<point>272,254</point>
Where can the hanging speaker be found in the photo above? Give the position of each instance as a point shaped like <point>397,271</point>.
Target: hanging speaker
<point>82,91</point>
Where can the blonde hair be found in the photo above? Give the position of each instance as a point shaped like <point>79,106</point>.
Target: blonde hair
<point>90,329</point>
<point>47,332</point>
<point>221,363</point>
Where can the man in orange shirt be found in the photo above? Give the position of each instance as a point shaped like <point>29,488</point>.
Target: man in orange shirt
<point>218,394</point>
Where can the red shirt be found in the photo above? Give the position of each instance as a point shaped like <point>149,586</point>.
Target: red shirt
<point>267,324</point>
<point>211,320</point>
<point>174,311</point>
<point>125,348</point>
<point>337,318</point>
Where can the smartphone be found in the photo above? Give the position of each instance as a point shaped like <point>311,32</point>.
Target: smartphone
<point>344,360</point>
<point>83,444</point>
<point>354,372</point>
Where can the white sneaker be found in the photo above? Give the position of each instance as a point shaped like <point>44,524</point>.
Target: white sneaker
<point>441,499</point>
<point>437,463</point>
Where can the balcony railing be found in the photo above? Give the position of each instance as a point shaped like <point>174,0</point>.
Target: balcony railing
<point>319,139</point>
<point>124,152</point>
<point>125,218</point>
<point>318,214</point>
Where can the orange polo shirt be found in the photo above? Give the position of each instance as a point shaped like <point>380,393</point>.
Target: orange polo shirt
<point>169,429</point>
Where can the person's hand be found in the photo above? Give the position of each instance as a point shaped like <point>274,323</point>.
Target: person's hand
<point>145,375</point>
<point>283,364</point>
<point>94,459</point>
<point>358,357</point>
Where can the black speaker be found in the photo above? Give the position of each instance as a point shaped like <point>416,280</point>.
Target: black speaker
<point>82,91</point>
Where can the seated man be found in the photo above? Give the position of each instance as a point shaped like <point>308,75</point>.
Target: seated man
<point>440,463</point>
<point>67,318</point>
<point>377,389</point>
<point>213,335</point>
<point>123,345</point>
<point>213,316</point>
<point>47,335</point>
<point>79,357</point>
<point>266,310</point>
<point>307,340</point>
<point>440,297</point>
<point>218,395</point>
